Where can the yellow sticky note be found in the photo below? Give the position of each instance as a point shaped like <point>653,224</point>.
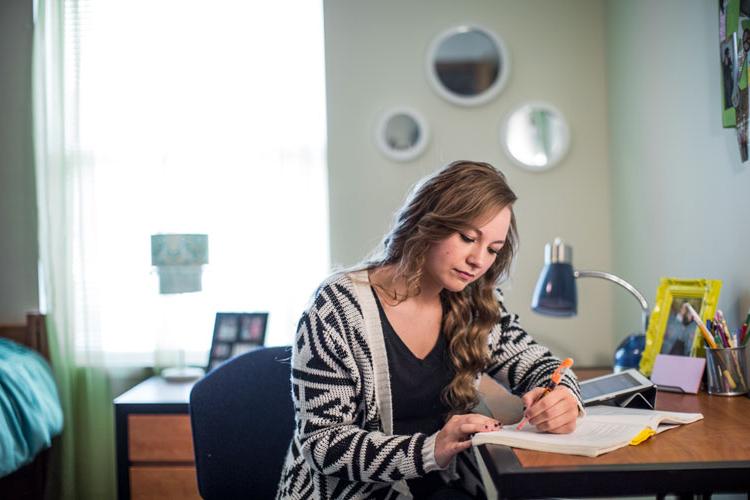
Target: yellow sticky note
<point>642,436</point>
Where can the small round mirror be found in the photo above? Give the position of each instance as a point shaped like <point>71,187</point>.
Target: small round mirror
<point>402,134</point>
<point>468,65</point>
<point>536,136</point>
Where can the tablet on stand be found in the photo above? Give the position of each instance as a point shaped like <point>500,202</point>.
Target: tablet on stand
<point>628,389</point>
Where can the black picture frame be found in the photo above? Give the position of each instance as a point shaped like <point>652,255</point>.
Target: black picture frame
<point>236,333</point>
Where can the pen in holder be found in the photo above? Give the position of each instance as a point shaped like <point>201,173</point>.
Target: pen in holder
<point>727,371</point>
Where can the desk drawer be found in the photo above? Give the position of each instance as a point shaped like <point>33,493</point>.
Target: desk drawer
<point>163,483</point>
<point>160,438</point>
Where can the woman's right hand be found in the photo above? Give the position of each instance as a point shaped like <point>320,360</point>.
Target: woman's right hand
<point>455,436</point>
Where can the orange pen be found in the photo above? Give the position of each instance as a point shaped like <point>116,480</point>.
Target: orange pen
<point>553,381</point>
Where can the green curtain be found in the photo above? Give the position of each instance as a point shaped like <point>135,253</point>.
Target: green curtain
<point>85,457</point>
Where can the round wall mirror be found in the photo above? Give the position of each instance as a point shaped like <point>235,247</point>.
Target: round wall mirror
<point>402,134</point>
<point>468,65</point>
<point>536,136</point>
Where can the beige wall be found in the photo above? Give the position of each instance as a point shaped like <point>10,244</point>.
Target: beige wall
<point>375,54</point>
<point>682,196</point>
<point>18,242</point>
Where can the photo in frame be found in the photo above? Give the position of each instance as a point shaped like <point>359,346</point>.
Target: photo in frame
<point>670,328</point>
<point>742,123</point>
<point>729,72</point>
<point>235,334</point>
<point>741,107</point>
<point>729,25</point>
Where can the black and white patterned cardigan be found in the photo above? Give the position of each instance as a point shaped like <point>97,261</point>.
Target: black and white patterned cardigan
<point>343,445</point>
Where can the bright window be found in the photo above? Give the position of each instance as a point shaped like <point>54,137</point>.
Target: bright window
<point>200,117</point>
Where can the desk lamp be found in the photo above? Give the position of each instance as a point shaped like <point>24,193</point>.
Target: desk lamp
<point>556,295</point>
<point>179,260</point>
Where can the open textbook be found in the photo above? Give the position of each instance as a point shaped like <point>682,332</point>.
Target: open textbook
<point>601,430</point>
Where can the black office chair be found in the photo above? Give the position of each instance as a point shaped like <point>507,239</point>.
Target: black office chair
<point>243,419</point>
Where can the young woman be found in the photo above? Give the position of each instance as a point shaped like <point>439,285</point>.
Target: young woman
<point>386,359</point>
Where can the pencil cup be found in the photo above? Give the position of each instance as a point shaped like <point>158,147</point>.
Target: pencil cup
<point>727,371</point>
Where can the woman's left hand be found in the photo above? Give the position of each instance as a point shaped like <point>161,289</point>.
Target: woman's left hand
<point>556,412</point>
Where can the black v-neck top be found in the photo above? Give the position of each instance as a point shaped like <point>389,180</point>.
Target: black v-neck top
<point>416,384</point>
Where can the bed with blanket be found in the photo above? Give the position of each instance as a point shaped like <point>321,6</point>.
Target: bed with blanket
<point>30,411</point>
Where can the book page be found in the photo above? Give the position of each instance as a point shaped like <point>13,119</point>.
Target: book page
<point>591,437</point>
<point>602,429</point>
<point>651,418</point>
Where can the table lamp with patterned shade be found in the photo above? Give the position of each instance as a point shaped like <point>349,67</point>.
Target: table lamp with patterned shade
<point>179,260</point>
<point>556,295</point>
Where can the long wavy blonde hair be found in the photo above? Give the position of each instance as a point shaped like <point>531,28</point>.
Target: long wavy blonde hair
<point>440,205</point>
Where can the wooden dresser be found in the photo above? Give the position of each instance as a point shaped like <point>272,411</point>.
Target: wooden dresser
<point>154,442</point>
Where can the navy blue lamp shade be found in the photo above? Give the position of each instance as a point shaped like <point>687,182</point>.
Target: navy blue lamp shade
<point>555,293</point>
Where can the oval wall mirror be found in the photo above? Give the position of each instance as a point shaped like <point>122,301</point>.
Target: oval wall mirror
<point>468,65</point>
<point>536,136</point>
<point>402,134</point>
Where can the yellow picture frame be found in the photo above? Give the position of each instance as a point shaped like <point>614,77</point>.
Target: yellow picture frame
<point>702,294</point>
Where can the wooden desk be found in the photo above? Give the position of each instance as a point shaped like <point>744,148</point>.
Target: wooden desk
<point>154,442</point>
<point>708,456</point>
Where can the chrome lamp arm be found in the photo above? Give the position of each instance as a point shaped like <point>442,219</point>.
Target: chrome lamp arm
<point>627,286</point>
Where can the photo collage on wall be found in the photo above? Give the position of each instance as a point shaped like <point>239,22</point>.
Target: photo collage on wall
<point>235,334</point>
<point>734,47</point>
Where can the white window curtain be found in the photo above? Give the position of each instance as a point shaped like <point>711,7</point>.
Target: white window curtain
<point>182,116</point>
